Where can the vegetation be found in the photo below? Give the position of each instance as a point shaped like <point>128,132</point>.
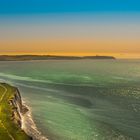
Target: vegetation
<point>48,57</point>
<point>8,129</point>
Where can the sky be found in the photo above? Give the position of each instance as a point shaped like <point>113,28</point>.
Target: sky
<point>70,27</point>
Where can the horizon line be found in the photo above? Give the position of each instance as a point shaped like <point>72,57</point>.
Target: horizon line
<point>29,54</point>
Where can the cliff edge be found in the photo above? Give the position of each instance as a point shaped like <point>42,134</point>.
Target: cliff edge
<point>11,108</point>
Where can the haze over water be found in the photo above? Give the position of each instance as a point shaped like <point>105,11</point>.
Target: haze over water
<point>81,99</point>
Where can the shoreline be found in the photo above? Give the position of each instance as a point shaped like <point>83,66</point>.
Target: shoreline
<point>28,124</point>
<point>20,123</point>
<point>10,110</point>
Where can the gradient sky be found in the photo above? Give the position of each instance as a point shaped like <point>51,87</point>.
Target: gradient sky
<point>70,27</point>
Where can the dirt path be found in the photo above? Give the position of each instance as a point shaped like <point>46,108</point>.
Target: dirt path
<point>4,93</point>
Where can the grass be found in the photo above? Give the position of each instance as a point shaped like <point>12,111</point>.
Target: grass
<point>8,129</point>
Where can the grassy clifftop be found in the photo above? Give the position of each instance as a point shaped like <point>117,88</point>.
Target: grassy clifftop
<point>10,119</point>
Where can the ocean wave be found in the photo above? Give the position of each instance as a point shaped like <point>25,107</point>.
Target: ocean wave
<point>123,78</point>
<point>16,77</point>
<point>29,79</point>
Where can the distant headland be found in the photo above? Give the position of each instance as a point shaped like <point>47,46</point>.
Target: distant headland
<point>49,57</point>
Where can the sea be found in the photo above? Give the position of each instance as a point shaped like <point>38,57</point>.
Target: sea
<point>79,99</point>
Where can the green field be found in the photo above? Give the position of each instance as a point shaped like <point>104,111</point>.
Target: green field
<point>8,129</point>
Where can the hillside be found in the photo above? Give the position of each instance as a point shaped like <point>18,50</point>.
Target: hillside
<point>48,57</point>
<point>10,118</point>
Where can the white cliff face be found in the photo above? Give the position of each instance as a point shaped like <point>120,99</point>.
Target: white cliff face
<point>17,109</point>
<point>16,104</point>
<point>23,118</point>
<point>30,128</point>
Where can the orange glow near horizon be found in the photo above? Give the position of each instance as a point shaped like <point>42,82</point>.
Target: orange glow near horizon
<point>117,55</point>
<point>72,47</point>
<point>71,35</point>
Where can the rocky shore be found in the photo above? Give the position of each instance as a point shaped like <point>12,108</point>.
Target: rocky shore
<point>18,109</point>
<point>21,116</point>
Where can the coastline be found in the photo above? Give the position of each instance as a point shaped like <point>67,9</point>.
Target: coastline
<point>16,119</point>
<point>52,57</point>
<point>10,110</point>
<point>28,124</point>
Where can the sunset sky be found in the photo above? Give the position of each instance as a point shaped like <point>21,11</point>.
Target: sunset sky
<point>70,27</point>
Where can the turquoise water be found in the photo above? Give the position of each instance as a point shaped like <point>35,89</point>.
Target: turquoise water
<point>80,99</point>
